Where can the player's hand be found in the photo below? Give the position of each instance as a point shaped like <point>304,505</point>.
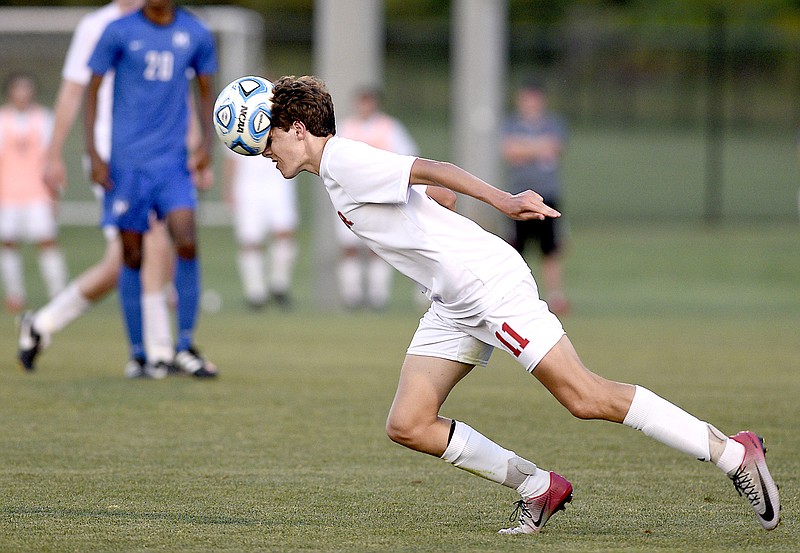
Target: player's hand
<point>100,173</point>
<point>200,159</point>
<point>443,196</point>
<point>55,176</point>
<point>527,205</point>
<point>203,179</point>
<point>200,168</point>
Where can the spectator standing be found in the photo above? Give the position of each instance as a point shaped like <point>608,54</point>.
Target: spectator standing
<point>532,146</point>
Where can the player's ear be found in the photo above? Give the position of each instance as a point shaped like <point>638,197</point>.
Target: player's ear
<point>299,129</point>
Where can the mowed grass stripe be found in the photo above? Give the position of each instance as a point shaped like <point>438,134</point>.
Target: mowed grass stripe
<point>287,452</point>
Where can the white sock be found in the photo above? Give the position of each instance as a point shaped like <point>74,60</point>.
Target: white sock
<point>473,452</point>
<point>727,454</point>
<point>156,326</point>
<point>668,424</point>
<point>379,278</point>
<point>350,281</point>
<point>251,272</point>
<point>64,308</point>
<point>12,270</point>
<point>53,267</point>
<point>283,253</point>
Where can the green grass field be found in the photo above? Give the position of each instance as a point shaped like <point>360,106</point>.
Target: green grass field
<point>287,452</point>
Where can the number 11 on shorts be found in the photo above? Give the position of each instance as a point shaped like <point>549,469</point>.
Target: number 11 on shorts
<point>514,335</point>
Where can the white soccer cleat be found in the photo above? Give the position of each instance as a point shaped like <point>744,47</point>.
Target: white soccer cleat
<point>189,361</point>
<point>534,512</point>
<point>753,481</point>
<point>29,342</point>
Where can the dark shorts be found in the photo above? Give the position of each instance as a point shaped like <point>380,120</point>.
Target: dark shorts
<point>547,233</point>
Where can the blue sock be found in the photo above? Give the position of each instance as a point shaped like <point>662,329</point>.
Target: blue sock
<point>187,284</point>
<point>130,296</point>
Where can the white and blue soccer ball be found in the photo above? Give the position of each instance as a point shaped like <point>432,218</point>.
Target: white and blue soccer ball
<point>243,113</point>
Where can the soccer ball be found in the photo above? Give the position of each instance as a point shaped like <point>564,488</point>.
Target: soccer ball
<point>242,115</point>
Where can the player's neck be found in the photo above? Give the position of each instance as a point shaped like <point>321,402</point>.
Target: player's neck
<point>315,147</point>
<point>160,15</point>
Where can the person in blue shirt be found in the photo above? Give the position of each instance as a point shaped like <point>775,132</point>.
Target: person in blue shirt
<point>533,140</point>
<point>155,53</point>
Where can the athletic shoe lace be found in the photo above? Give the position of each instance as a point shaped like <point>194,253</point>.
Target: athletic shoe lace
<point>520,510</point>
<point>743,482</point>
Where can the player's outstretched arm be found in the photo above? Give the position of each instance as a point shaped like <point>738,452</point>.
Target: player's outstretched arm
<point>99,168</point>
<point>526,205</point>
<point>201,151</point>
<point>67,106</point>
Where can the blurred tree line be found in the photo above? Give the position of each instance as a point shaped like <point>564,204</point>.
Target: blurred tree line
<point>710,74</point>
<point>520,11</point>
<point>618,61</point>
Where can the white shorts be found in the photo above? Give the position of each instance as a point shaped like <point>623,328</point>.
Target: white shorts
<point>263,208</point>
<point>32,222</point>
<point>521,324</point>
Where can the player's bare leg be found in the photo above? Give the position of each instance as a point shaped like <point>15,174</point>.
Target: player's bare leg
<point>12,271</point>
<point>589,396</point>
<point>553,280</point>
<point>101,278</point>
<point>585,394</point>
<point>93,284</point>
<point>414,421</point>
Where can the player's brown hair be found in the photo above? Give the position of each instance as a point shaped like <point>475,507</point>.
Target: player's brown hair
<point>305,99</point>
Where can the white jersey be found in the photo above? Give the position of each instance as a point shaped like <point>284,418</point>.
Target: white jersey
<point>263,201</point>
<point>76,69</point>
<point>463,268</point>
<point>21,121</point>
<point>381,131</point>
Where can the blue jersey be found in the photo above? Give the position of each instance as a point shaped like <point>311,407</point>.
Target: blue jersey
<point>154,65</point>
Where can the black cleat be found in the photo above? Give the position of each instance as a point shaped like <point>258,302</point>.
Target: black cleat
<point>29,342</point>
<point>139,368</point>
<point>189,361</point>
